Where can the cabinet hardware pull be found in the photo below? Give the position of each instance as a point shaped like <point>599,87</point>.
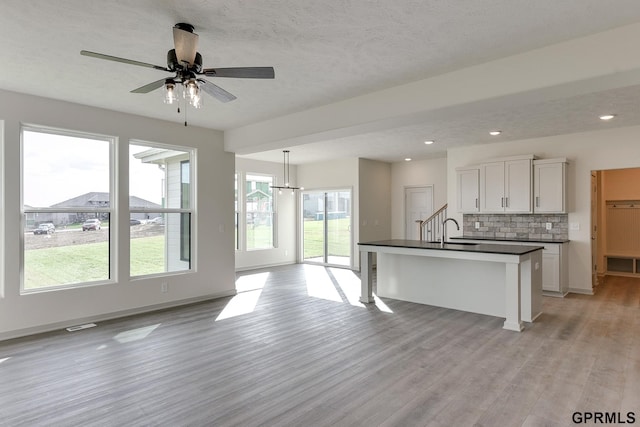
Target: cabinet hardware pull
<point>502,202</point>
<point>506,202</point>
<point>537,201</point>
<point>476,202</point>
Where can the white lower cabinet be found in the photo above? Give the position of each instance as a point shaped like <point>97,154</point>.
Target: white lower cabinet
<point>551,268</point>
<point>555,268</point>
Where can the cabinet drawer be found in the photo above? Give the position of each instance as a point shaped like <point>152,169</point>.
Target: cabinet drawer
<point>551,249</point>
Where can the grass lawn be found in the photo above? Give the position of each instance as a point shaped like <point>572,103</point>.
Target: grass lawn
<point>338,238</point>
<point>259,236</point>
<point>88,262</point>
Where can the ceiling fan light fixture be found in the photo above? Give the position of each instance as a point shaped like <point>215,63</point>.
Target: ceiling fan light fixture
<point>196,102</point>
<point>185,61</point>
<point>192,93</point>
<point>607,117</point>
<point>170,92</point>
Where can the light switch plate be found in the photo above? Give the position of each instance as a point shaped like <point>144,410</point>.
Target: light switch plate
<point>477,225</point>
<point>549,225</point>
<point>574,226</point>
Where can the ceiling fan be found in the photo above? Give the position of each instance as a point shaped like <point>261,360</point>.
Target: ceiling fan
<point>186,62</point>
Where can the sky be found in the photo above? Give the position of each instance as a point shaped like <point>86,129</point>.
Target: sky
<point>58,167</point>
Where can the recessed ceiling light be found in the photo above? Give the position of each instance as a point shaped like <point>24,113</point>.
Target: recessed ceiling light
<point>607,116</point>
<point>429,141</point>
<point>495,132</point>
<point>408,159</point>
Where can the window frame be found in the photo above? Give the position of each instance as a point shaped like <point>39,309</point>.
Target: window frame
<point>274,214</point>
<point>238,212</point>
<point>185,250</point>
<point>191,210</point>
<point>111,211</point>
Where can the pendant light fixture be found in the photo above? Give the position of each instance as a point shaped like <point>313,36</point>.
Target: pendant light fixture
<point>287,183</point>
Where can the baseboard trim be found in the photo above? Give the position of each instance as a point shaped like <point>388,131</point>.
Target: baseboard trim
<point>21,333</point>
<point>581,291</point>
<point>258,267</point>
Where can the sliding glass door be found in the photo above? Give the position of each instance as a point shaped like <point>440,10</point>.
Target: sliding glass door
<point>326,227</point>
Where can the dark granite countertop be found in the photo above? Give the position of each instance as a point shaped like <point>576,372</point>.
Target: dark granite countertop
<point>510,239</point>
<point>488,248</point>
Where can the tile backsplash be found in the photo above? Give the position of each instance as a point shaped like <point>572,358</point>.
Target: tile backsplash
<point>521,226</point>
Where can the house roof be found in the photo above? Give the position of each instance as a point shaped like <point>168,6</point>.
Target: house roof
<point>97,198</point>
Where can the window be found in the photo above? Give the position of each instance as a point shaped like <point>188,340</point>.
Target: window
<point>66,207</point>
<point>161,206</point>
<point>237,234</point>
<point>259,212</point>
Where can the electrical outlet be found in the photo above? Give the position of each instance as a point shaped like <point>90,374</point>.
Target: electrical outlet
<point>549,225</point>
<point>477,225</point>
<point>164,287</point>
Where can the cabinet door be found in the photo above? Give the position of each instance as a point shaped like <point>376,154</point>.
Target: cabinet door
<point>468,190</point>
<point>492,187</point>
<point>549,184</point>
<point>550,272</point>
<point>518,186</point>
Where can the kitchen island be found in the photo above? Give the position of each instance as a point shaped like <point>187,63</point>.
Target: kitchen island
<point>492,279</point>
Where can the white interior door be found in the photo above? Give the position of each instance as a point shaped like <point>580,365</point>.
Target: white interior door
<point>418,205</point>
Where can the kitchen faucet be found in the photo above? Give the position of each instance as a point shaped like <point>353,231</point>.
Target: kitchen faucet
<point>444,229</point>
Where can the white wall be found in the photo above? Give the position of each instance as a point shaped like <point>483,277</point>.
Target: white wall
<point>336,174</point>
<point>286,219</point>
<point>606,149</point>
<point>214,274</point>
<point>416,173</point>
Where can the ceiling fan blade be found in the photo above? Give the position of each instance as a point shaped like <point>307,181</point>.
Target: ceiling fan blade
<point>185,42</point>
<point>216,91</point>
<point>123,60</point>
<point>241,72</point>
<point>149,87</point>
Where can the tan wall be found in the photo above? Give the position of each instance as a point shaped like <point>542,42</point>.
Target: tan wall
<point>621,184</point>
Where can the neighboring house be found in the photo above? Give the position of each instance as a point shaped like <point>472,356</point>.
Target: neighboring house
<point>91,199</point>
<point>337,206</point>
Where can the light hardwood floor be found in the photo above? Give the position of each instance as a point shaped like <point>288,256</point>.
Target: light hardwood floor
<point>306,356</point>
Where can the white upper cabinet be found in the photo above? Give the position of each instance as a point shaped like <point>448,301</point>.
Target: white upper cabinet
<point>468,189</point>
<point>492,187</point>
<point>549,185</point>
<point>505,186</point>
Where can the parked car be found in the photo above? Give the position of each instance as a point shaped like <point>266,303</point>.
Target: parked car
<point>91,224</point>
<point>46,228</point>
<point>134,222</point>
<point>156,220</point>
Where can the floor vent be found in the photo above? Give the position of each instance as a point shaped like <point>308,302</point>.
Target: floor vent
<point>80,327</point>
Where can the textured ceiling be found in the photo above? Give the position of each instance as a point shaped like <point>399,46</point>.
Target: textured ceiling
<point>322,51</point>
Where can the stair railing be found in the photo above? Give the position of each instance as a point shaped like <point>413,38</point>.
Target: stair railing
<point>433,225</point>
